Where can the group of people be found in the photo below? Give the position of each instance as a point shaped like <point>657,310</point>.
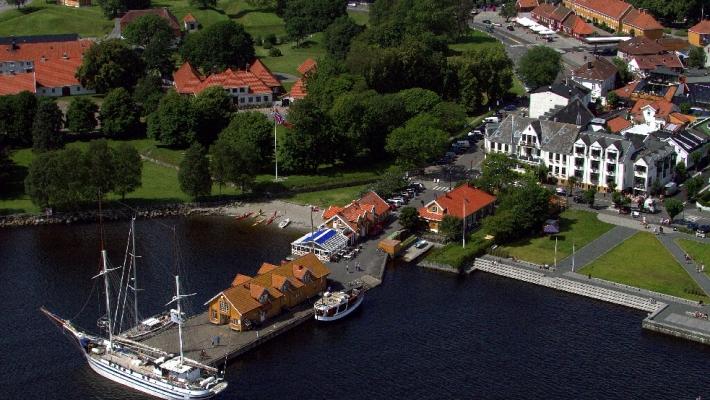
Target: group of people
<point>698,268</point>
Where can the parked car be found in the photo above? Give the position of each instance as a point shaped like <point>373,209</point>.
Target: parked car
<point>397,201</point>
<point>578,198</point>
<point>510,28</point>
<point>463,143</point>
<point>418,186</point>
<point>486,21</point>
<point>497,24</point>
<point>670,188</point>
<point>510,107</point>
<point>560,191</point>
<point>491,120</point>
<point>476,133</point>
<point>421,244</point>
<point>702,231</point>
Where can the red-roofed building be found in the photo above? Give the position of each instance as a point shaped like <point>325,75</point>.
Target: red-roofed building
<point>299,90</point>
<point>464,202</point>
<point>699,34</point>
<point>16,83</point>
<point>54,65</point>
<point>625,92</point>
<point>576,27</point>
<point>189,22</point>
<point>655,114</point>
<point>543,13</point>
<point>358,219</point>
<point>609,12</point>
<point>307,66</point>
<point>526,5</point>
<point>162,12</point>
<point>641,23</point>
<point>75,3</point>
<point>642,65</point>
<point>253,87</point>
<point>618,124</point>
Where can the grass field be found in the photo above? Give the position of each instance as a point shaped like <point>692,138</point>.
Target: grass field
<point>700,252</point>
<point>38,18</point>
<point>642,261</point>
<point>324,198</point>
<point>455,255</point>
<point>580,227</point>
<point>360,17</point>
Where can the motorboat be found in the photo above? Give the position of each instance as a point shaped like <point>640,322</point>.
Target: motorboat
<point>284,223</point>
<point>336,305</point>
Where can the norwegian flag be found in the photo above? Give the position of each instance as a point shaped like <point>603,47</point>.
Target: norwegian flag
<point>278,118</point>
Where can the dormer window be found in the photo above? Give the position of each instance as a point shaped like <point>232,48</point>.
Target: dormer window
<point>307,277</point>
<point>264,298</point>
<point>434,209</point>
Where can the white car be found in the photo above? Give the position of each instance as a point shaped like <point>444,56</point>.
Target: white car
<point>421,244</point>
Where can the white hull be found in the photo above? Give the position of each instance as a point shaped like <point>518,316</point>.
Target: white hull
<point>345,313</point>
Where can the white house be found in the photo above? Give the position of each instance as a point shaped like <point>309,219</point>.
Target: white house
<point>598,75</point>
<point>546,98</point>
<point>685,143</point>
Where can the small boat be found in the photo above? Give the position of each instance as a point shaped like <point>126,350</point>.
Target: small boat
<point>272,218</point>
<point>244,216</point>
<point>149,327</point>
<point>284,223</point>
<point>258,221</point>
<point>337,305</point>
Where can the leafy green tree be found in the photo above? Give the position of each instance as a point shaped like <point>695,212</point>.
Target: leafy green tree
<point>158,54</point>
<point>173,124</point>
<point>445,18</point>
<point>218,46</point>
<point>253,127</point>
<point>302,17</point>
<point>571,183</point>
<point>128,169</point>
<point>113,8</point>
<point>194,174</point>
<point>17,3</point>
<point>339,34</point>
<point>203,3</point>
<point>57,179</point>
<point>235,159</point>
<point>539,66</point>
<point>81,115</point>
<point>685,108</point>
<point>118,114</point>
<point>508,10</point>
<point>502,226</point>
<point>588,197</point>
<point>693,186</point>
<point>451,227</point>
<point>391,182</point>
<point>697,57</point>
<point>419,141</point>
<point>521,211</point>
<point>47,126</point>
<point>99,159</point>
<point>484,76</point>
<point>147,94</point>
<point>211,109</point>
<point>144,28</point>
<point>451,115</point>
<point>680,172</point>
<point>612,99</point>
<point>109,64</point>
<point>619,199</point>
<point>672,10</point>
<point>40,178</point>
<point>409,218</point>
<point>497,172</point>
<point>625,76</point>
<point>417,100</point>
<point>17,113</point>
<point>696,157</point>
<point>673,207</point>
<point>310,142</point>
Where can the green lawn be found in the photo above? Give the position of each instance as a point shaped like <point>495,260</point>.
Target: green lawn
<point>642,261</point>
<point>324,198</point>
<point>700,252</point>
<point>455,255</point>
<point>40,18</point>
<point>474,40</point>
<point>580,227</point>
<point>360,17</point>
<point>292,56</point>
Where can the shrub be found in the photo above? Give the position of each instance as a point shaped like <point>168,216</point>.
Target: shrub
<point>270,38</point>
<point>267,45</point>
<point>275,52</point>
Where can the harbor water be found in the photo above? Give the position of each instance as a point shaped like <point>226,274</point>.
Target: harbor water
<point>421,335</point>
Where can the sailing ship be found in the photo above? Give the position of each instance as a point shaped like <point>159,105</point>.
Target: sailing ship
<point>138,366</point>
<point>336,305</point>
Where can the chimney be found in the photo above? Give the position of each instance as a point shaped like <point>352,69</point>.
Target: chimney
<point>65,56</point>
<point>589,65</point>
<point>13,44</point>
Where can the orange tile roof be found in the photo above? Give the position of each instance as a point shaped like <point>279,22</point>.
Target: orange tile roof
<point>331,212</point>
<point>678,118</point>
<point>702,27</point>
<point>527,3</point>
<point>580,27</point>
<point>669,94</point>
<point>611,8</point>
<point>162,12</point>
<point>266,267</point>
<point>48,50</point>
<point>58,72</point>
<point>298,90</point>
<point>663,108</point>
<point>618,124</point>
<point>188,81</point>
<point>453,202</point>
<point>641,20</point>
<point>381,206</point>
<point>16,83</point>
<point>626,91</point>
<point>189,18</point>
<point>544,10</point>
<point>651,61</point>
<point>264,73</point>
<point>307,66</point>
<point>240,279</point>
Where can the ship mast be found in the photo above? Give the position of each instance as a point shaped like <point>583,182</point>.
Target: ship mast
<point>178,318</point>
<point>134,287</point>
<point>104,272</point>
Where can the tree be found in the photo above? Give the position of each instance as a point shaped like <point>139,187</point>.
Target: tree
<point>81,115</point>
<point>339,34</point>
<point>673,207</point>
<point>696,157</point>
<point>571,183</point>
<point>680,172</point>
<point>611,185</point>
<point>113,8</point>
<point>588,197</point>
<point>17,3</point>
<point>194,174</point>
<point>612,99</point>
<point>57,179</point>
<point>144,28</point>
<point>109,64</point>
<point>158,54</point>
<point>99,160</point>
<point>417,100</point>
<point>47,126</point>
<point>17,113</point>
<point>539,66</point>
<point>253,127</point>
<point>508,10</point>
<point>419,141</point>
<point>693,186</point>
<point>483,76</point>
<point>452,116</point>
<point>211,109</point>
<point>203,3</point>
<point>129,167</point>
<point>625,76</point>
<point>147,94</point>
<point>218,46</point>
<point>685,108</point>
<point>451,227</point>
<point>697,57</point>
<point>118,114</point>
<point>391,182</point>
<point>173,124</point>
<point>497,172</point>
<point>302,17</point>
<point>619,199</point>
<point>310,142</point>
<point>409,218</point>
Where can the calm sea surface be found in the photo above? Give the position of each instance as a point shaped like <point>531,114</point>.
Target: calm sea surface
<point>421,335</point>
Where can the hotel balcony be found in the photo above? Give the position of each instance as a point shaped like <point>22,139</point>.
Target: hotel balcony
<point>640,173</point>
<point>595,156</point>
<point>528,159</point>
<point>611,173</point>
<point>580,166</point>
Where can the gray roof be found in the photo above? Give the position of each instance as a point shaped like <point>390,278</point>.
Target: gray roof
<point>653,150</point>
<point>606,139</point>
<point>688,140</point>
<point>573,113</point>
<point>555,137</point>
<point>66,37</point>
<point>564,88</point>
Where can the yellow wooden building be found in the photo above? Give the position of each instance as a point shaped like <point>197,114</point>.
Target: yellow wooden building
<point>251,301</point>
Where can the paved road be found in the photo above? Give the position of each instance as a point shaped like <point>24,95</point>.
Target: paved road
<point>596,248</point>
<point>691,266</point>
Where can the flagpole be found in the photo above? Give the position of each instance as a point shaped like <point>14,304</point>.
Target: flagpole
<point>555,251</point>
<point>572,256</point>
<point>276,157</point>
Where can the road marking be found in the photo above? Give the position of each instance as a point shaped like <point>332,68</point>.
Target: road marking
<point>692,218</point>
<point>441,188</point>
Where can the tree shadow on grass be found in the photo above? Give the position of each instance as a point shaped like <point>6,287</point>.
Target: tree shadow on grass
<point>243,13</point>
<point>28,10</point>
<point>15,186</point>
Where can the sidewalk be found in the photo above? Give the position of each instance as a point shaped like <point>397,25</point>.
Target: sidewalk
<point>596,248</point>
<point>690,266</point>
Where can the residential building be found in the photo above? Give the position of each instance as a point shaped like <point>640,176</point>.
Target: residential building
<point>526,5</point>
<point>699,34</point>
<point>576,27</point>
<point>576,112</point>
<point>598,75</point>
<point>250,301</point>
<point>189,23</point>
<point>162,12</point>
<point>639,46</point>
<point>464,202</point>
<point>253,87</point>
<point>685,143</point>
<point>323,242</point>
<point>606,12</point>
<point>652,165</point>
<point>561,18</point>
<point>558,16</point>
<point>358,219</point>
<point>51,65</point>
<point>16,83</point>
<point>641,23</point>
<point>75,3</point>
<point>618,124</point>
<point>655,114</point>
<point>601,158</point>
<point>299,90</point>
<point>643,65</point>
<point>543,13</point>
<point>559,94</point>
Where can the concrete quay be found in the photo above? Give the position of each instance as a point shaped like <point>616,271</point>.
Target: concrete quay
<point>668,315</point>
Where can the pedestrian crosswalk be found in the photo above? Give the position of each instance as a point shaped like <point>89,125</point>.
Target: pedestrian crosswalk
<point>441,188</point>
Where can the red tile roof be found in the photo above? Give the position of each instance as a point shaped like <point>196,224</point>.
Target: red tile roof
<point>189,18</point>
<point>544,10</point>
<point>298,90</point>
<point>527,3</point>
<point>611,8</point>
<point>702,27</point>
<point>580,27</point>
<point>381,206</point>
<point>640,45</point>
<point>162,12</point>
<point>599,69</point>
<point>188,80</point>
<point>16,83</point>
<point>560,14</point>
<point>307,66</point>
<point>626,91</point>
<point>366,207</point>
<point>652,61</point>
<point>618,124</point>
<point>56,73</point>
<point>264,73</point>
<point>331,212</point>
<point>663,108</point>
<point>453,203</point>
<point>641,20</point>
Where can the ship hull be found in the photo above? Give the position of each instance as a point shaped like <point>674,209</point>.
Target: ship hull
<point>343,314</point>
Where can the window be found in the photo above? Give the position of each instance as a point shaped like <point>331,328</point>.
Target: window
<point>223,306</point>
<point>214,314</point>
<point>251,99</point>
<point>242,99</point>
<point>241,90</point>
<point>53,90</point>
<point>434,209</point>
<point>564,171</point>
<point>266,98</point>
<point>505,147</point>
